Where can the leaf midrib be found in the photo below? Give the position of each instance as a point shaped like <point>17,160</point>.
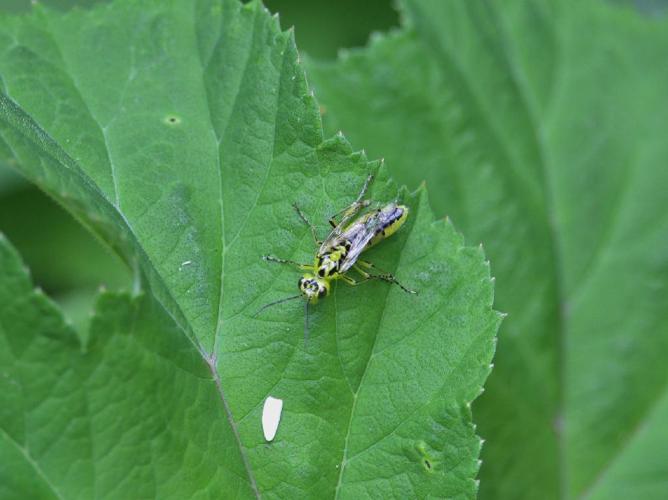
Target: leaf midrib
<point>589,490</point>
<point>235,100</point>
<point>211,360</point>
<point>551,223</point>
<point>558,267</point>
<point>31,462</point>
<point>355,394</point>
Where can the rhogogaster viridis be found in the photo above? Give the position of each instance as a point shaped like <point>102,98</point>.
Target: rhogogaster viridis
<point>339,253</point>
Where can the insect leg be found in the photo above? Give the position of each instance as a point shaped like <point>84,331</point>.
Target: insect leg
<point>348,213</point>
<point>387,277</point>
<point>353,282</point>
<point>367,264</point>
<point>302,216</point>
<point>352,209</point>
<point>365,188</point>
<point>350,281</point>
<point>303,267</point>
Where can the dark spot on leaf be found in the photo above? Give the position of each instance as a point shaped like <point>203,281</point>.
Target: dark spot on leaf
<point>420,454</point>
<point>172,120</point>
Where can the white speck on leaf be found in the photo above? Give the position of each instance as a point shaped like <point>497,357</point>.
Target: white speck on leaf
<point>271,416</point>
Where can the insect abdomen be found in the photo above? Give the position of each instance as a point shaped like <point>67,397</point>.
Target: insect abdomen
<point>393,217</point>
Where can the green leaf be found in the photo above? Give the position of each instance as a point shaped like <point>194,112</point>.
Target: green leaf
<point>180,133</point>
<point>134,413</point>
<point>540,128</point>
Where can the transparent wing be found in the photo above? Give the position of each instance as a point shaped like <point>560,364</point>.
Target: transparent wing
<point>359,235</point>
<point>335,235</point>
<point>347,214</point>
<point>362,232</point>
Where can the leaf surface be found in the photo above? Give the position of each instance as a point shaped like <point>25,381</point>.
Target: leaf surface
<point>179,133</point>
<point>540,128</point>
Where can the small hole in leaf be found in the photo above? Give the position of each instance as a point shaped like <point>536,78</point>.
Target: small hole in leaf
<point>172,120</point>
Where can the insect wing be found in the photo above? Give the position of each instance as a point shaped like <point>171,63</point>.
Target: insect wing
<point>331,241</point>
<point>368,230</point>
<point>337,235</point>
<point>359,235</point>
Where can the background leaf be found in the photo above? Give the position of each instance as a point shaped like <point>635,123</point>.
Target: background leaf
<point>540,127</point>
<point>180,133</point>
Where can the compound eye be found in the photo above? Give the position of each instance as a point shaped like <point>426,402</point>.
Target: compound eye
<point>322,292</point>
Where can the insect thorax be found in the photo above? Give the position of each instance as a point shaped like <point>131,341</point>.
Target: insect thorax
<point>328,263</point>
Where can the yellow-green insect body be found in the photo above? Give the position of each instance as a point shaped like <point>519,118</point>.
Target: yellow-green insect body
<point>339,253</point>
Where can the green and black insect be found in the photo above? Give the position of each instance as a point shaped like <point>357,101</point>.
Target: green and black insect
<point>339,253</point>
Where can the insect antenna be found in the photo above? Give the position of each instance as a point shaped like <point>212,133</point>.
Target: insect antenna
<point>279,301</point>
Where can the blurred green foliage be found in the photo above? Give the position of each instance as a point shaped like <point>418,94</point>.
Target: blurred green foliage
<point>323,27</point>
<point>65,260</point>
